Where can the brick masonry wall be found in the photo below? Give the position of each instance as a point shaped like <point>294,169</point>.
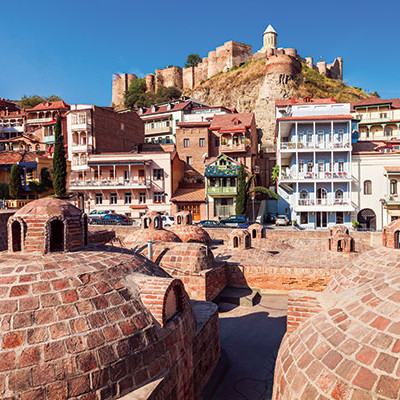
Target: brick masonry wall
<point>4,216</point>
<point>127,130</point>
<point>301,306</point>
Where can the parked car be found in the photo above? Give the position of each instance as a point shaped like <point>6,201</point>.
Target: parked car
<point>116,219</point>
<point>233,220</point>
<point>167,221</point>
<point>246,224</point>
<point>101,213</point>
<point>282,220</point>
<point>208,223</point>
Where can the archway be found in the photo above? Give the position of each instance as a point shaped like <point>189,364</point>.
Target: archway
<point>235,242</point>
<point>254,233</point>
<point>16,236</point>
<point>340,245</point>
<point>367,219</point>
<point>397,240</point>
<point>56,235</point>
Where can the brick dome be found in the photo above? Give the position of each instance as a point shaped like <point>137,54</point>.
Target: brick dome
<point>47,225</point>
<point>187,232</point>
<point>282,64</point>
<point>86,323</point>
<point>391,235</point>
<point>349,349</point>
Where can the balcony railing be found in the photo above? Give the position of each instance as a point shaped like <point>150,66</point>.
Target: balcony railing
<point>317,146</point>
<point>224,211</point>
<point>81,147</point>
<point>163,129</point>
<point>222,190</point>
<point>110,183</point>
<point>38,120</point>
<point>324,202</point>
<point>230,148</point>
<point>317,175</point>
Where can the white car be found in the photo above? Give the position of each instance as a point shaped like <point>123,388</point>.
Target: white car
<point>281,220</point>
<point>168,221</point>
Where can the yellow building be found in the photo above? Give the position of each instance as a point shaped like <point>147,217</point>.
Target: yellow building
<point>379,118</point>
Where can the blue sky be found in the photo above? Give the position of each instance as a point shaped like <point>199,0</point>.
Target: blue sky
<point>72,48</point>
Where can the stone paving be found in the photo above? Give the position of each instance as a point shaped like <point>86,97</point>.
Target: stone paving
<point>250,338</point>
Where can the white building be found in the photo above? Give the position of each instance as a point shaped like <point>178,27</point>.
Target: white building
<point>314,156</point>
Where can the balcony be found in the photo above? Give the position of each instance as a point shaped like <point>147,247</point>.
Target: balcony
<point>233,148</point>
<point>315,176</point>
<point>289,146</point>
<point>156,130</point>
<point>329,204</point>
<point>324,202</point>
<point>222,190</point>
<point>49,139</point>
<point>81,147</point>
<point>38,120</point>
<point>392,198</point>
<point>81,126</point>
<point>117,183</point>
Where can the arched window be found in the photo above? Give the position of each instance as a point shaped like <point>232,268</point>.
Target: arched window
<point>388,131</point>
<point>321,194</point>
<point>303,194</point>
<point>367,187</point>
<point>393,186</point>
<point>235,242</point>
<point>16,236</point>
<point>339,194</point>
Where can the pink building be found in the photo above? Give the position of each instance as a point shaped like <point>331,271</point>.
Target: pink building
<point>128,183</point>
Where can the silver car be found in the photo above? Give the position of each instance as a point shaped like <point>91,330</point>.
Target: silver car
<point>281,220</point>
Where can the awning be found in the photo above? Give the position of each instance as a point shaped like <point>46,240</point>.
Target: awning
<point>394,213</point>
<point>138,207</point>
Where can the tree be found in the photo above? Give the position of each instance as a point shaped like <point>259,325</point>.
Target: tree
<point>275,173</point>
<point>264,190</point>
<point>32,101</point>
<point>4,191</point>
<point>241,191</point>
<point>374,94</point>
<point>193,60</point>
<point>15,186</point>
<point>135,95</point>
<point>45,182</point>
<point>165,94</point>
<point>59,162</point>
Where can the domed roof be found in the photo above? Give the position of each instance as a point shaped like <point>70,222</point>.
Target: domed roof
<point>49,207</point>
<point>144,235</point>
<point>349,350</point>
<point>191,233</point>
<point>76,322</point>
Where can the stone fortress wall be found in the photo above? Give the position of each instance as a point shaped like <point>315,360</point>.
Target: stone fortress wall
<point>284,61</point>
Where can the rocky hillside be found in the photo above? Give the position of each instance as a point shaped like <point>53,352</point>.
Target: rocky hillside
<point>249,89</point>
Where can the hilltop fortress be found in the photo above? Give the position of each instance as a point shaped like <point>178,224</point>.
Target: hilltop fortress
<point>283,61</point>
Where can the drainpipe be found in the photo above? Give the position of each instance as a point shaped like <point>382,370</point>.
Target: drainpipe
<point>150,250</point>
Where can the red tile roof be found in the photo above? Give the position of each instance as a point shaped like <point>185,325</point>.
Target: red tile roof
<point>305,100</point>
<point>316,118</point>
<point>200,124</point>
<point>392,169</point>
<point>12,157</point>
<point>232,122</point>
<point>371,101</point>
<point>189,195</point>
<point>51,105</point>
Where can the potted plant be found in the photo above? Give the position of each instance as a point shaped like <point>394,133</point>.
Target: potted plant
<point>355,224</point>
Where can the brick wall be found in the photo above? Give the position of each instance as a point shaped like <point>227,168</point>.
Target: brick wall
<point>301,306</point>
<point>116,132</point>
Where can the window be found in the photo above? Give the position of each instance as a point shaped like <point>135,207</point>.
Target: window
<point>309,166</point>
<point>113,198</point>
<point>339,218</point>
<point>176,122</point>
<point>142,197</point>
<point>320,136</point>
<point>367,187</point>
<point>320,166</point>
<point>158,197</point>
<point>126,175</point>
<point>111,173</point>
<point>99,198</point>
<point>383,115</point>
<point>202,142</point>
<point>185,142</point>
<point>166,123</point>
<point>340,165</point>
<point>303,218</point>
<point>393,186</point>
<point>339,194</point>
<point>301,165</point>
<point>158,174</point>
<point>388,131</point>
<point>189,160</point>
<point>128,198</point>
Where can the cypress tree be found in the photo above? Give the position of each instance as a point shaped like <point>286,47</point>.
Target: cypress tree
<point>242,192</point>
<point>59,162</point>
<point>15,186</point>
